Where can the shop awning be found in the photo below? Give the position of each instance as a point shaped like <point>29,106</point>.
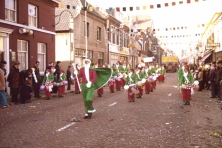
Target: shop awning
<point>205,57</point>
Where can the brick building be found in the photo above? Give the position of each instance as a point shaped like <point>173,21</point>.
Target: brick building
<point>27,32</point>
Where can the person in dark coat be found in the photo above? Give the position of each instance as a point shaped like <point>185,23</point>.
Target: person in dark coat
<point>56,75</point>
<point>211,81</point>
<point>13,79</point>
<point>26,91</point>
<point>219,78</point>
<point>68,77</point>
<point>36,80</point>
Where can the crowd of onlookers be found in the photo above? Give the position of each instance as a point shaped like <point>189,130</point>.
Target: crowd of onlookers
<point>209,76</point>
<point>23,83</point>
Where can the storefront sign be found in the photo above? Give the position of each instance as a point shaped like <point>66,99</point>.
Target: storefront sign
<point>125,51</point>
<point>113,48</point>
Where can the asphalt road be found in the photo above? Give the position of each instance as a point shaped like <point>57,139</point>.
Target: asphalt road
<point>156,120</point>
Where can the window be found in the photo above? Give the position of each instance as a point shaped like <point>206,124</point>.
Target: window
<point>100,55</point>
<point>86,29</point>
<point>98,34</point>
<point>10,10</point>
<point>41,56</point>
<point>32,11</point>
<point>22,49</point>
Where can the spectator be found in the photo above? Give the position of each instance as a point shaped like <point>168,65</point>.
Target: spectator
<point>36,80</point>
<point>5,71</point>
<point>218,79</point>
<point>68,77</point>
<point>26,91</point>
<point>212,78</point>
<point>3,98</point>
<point>13,79</point>
<point>200,79</point>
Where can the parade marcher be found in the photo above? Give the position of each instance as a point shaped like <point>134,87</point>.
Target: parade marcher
<point>185,81</point>
<point>56,75</point>
<point>76,84</point>
<point>162,73</point>
<point>118,74</point>
<point>111,82</point>
<point>36,80</point>
<point>211,81</point>
<point>147,85</point>
<point>123,70</point>
<point>3,99</point>
<point>132,90</point>
<point>140,74</point>
<point>68,77</point>
<point>13,79</point>
<point>91,80</point>
<point>48,82</point>
<point>61,87</point>
<point>100,91</point>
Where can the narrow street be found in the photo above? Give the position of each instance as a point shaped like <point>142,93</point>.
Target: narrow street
<point>156,120</point>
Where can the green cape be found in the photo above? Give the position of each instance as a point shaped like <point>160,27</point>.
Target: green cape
<point>103,75</point>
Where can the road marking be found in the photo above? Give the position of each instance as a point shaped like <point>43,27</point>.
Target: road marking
<point>113,104</point>
<point>64,127</point>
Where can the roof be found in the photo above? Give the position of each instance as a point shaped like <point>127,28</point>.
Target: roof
<point>63,15</point>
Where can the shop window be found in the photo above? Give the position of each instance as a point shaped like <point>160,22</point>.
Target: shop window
<point>22,50</point>
<point>41,56</point>
<point>10,10</point>
<point>32,12</point>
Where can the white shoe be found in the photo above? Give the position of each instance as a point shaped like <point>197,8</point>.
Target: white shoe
<point>91,111</point>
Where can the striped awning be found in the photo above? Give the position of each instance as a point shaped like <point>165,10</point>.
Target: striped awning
<point>205,57</point>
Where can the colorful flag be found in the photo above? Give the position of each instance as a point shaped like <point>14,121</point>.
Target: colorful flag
<point>124,8</point>
<point>196,0</point>
<point>151,6</point>
<point>144,7</point>
<point>110,9</point>
<point>117,9</point>
<point>137,8</point>
<point>131,8</point>
<point>158,6</point>
<point>166,4</point>
<point>173,3</point>
<point>68,6</point>
<point>188,1</point>
<point>61,6</point>
<point>90,8</point>
<point>180,2</point>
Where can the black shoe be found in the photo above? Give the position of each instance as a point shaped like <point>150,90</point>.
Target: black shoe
<point>86,117</point>
<point>89,115</point>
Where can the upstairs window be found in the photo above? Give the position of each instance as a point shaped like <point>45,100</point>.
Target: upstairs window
<point>10,10</point>
<point>86,29</point>
<point>32,12</point>
<point>98,34</point>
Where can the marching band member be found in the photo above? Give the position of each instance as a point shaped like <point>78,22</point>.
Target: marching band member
<point>48,82</point>
<point>147,85</point>
<point>100,90</point>
<point>117,73</point>
<point>123,71</point>
<point>131,79</point>
<point>140,75</point>
<point>76,87</point>
<point>61,87</point>
<point>185,81</point>
<point>162,73</point>
<point>111,82</point>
